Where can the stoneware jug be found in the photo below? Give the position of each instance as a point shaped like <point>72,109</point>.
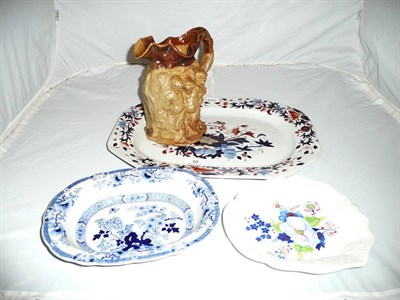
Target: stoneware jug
<point>174,86</point>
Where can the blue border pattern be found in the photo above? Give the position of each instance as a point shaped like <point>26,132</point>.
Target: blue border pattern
<point>54,234</point>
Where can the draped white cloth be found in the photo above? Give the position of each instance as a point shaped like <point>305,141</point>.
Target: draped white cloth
<point>305,54</point>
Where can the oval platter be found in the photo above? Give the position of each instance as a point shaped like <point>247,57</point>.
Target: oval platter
<point>245,138</point>
<point>129,216</point>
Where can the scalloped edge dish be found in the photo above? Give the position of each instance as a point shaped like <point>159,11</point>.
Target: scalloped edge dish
<point>298,224</point>
<point>245,138</point>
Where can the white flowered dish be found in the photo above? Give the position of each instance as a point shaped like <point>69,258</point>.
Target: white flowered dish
<point>129,216</point>
<point>298,224</point>
<point>245,138</point>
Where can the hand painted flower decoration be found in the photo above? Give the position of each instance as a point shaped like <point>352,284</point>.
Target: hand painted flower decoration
<point>300,232</point>
<point>312,207</point>
<point>284,214</point>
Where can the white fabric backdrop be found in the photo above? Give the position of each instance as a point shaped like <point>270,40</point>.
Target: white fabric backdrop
<point>28,43</point>
<point>380,38</point>
<point>245,32</point>
<point>66,139</point>
<point>272,32</point>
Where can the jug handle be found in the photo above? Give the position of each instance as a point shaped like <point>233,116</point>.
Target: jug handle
<point>207,58</point>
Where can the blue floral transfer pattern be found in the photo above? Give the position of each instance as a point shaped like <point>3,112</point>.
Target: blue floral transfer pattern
<point>94,221</point>
<point>298,230</point>
<point>144,227</point>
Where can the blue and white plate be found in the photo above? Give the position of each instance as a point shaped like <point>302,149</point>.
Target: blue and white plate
<point>129,216</point>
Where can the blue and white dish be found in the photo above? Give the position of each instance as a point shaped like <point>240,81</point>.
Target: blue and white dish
<point>129,216</point>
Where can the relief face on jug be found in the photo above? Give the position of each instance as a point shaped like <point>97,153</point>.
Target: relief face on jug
<point>174,86</point>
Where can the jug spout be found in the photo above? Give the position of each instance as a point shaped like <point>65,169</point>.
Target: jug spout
<point>177,51</point>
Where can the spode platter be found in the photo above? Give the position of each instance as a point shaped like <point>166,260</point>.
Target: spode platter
<point>298,224</point>
<point>129,216</point>
<point>245,138</point>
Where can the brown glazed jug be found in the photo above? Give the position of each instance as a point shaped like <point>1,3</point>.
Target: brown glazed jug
<point>174,86</point>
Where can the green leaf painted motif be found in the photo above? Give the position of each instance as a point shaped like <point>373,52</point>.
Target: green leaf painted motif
<point>276,226</point>
<point>300,249</point>
<point>314,221</point>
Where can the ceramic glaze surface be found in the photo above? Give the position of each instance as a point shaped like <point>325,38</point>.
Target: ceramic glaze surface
<point>174,86</point>
<point>298,224</point>
<point>176,51</point>
<point>129,216</point>
<point>246,138</point>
